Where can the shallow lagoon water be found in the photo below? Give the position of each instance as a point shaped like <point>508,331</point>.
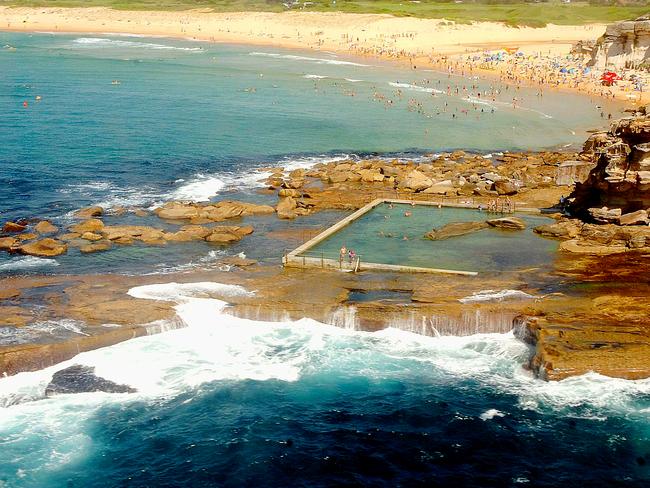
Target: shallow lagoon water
<point>385,235</point>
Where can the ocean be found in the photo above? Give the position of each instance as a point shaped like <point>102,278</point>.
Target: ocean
<point>127,121</point>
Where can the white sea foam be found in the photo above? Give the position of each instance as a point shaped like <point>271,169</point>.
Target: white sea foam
<point>27,263</point>
<point>204,262</point>
<point>200,189</point>
<point>102,42</point>
<point>315,77</point>
<point>490,414</point>
<point>408,86</point>
<point>216,347</point>
<point>305,58</point>
<point>353,80</point>
<point>496,296</point>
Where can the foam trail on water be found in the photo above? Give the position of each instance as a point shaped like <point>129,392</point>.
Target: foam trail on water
<point>27,263</point>
<point>496,296</point>
<point>408,86</point>
<point>101,42</point>
<point>305,58</point>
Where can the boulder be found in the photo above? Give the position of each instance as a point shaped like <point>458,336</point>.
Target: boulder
<point>287,208</point>
<point>640,217</point>
<point>125,234</point>
<point>90,225</point>
<point>91,236</point>
<point>226,234</point>
<point>605,215</point>
<point>289,192</point>
<point>505,187</point>
<point>13,227</point>
<point>371,175</point>
<point>188,233</point>
<point>82,379</point>
<point>567,229</point>
<point>440,188</point>
<point>7,242</point>
<point>89,212</point>
<point>578,247</point>
<point>47,247</point>
<point>238,261</point>
<point>177,211</point>
<point>338,176</point>
<point>45,227</point>
<point>26,236</point>
<point>455,229</point>
<point>416,181</point>
<point>103,245</point>
<point>507,223</point>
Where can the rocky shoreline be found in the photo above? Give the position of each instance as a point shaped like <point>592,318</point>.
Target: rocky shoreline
<point>586,311</point>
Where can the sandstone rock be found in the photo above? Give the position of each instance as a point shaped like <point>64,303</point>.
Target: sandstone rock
<point>238,261</point>
<point>440,188</point>
<point>47,247</point>
<point>560,230</point>
<point>7,242</point>
<point>70,236</point>
<point>226,234</point>
<point>339,176</point>
<point>455,229</point>
<point>177,211</point>
<point>188,233</point>
<point>624,44</point>
<point>371,175</point>
<point>508,223</point>
<point>289,192</point>
<point>90,225</point>
<point>13,227</point>
<point>605,215</point>
<point>26,236</point>
<point>577,247</point>
<point>103,245</point>
<point>640,217</point>
<point>505,187</point>
<point>45,227</point>
<point>125,234</point>
<point>286,208</point>
<point>89,212</point>
<point>91,236</point>
<point>417,181</point>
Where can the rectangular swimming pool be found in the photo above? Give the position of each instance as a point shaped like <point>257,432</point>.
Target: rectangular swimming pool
<point>390,233</point>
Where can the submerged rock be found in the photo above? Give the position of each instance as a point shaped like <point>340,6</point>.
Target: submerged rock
<point>89,212</point>
<point>82,379</point>
<point>13,227</point>
<point>508,223</point>
<point>44,248</point>
<point>455,229</point>
<point>45,227</point>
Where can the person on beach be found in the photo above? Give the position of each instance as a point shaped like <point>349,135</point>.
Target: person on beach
<point>342,253</point>
<point>351,256</point>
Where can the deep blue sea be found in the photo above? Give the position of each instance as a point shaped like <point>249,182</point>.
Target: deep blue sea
<point>131,121</point>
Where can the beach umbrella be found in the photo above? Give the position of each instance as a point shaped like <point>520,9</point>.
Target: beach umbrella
<point>608,78</point>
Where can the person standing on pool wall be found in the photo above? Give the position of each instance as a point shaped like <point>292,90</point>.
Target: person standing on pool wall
<point>342,253</point>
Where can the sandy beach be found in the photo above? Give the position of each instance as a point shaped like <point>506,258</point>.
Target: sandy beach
<point>415,42</point>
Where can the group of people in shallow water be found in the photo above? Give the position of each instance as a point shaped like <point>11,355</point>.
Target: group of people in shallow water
<point>497,205</point>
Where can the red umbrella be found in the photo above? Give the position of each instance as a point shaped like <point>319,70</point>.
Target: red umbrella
<point>609,78</point>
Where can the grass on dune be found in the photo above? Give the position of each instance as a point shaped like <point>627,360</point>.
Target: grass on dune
<point>512,13</point>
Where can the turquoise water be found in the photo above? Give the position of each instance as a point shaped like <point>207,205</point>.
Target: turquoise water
<point>192,120</point>
<point>231,402</point>
<point>385,235</point>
